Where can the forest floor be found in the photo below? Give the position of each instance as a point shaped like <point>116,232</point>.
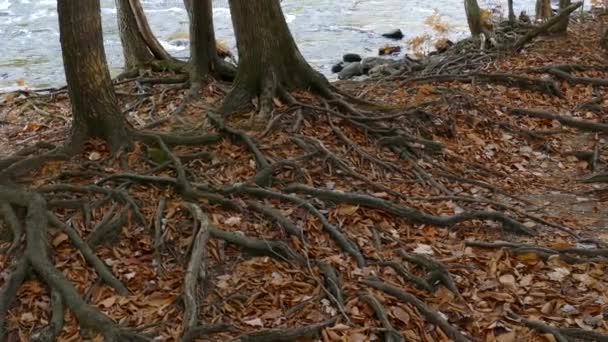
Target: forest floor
<point>458,150</point>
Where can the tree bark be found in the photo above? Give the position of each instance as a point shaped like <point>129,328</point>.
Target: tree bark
<point>512,17</point>
<point>135,50</point>
<point>202,40</point>
<point>269,60</point>
<point>94,106</point>
<point>543,10</point>
<point>473,13</point>
<point>562,26</point>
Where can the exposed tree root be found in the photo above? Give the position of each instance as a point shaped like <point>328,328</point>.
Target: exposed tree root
<point>89,255</point>
<point>591,255</point>
<point>332,282</point>
<point>288,335</point>
<point>109,228</point>
<point>405,274</point>
<point>8,292</point>
<point>390,334</point>
<point>410,213</point>
<point>278,218</point>
<point>276,249</point>
<point>196,269</point>
<point>521,42</point>
<point>561,334</point>
<point>341,240</point>
<point>583,125</point>
<point>437,272</point>
<point>429,314</point>
<point>36,254</point>
<point>52,331</point>
<point>205,330</point>
<point>510,80</point>
<point>10,218</point>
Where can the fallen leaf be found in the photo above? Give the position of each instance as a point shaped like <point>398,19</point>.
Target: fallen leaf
<point>61,237</point>
<point>401,315</point>
<point>106,303</point>
<point>507,280</point>
<point>424,249</point>
<point>256,322</point>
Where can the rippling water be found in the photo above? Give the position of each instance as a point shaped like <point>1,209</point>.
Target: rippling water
<point>324,30</point>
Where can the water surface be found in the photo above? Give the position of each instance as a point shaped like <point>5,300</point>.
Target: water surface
<point>324,30</point>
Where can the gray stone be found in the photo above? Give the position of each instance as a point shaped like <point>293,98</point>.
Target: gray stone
<point>370,62</point>
<point>350,71</point>
<point>351,58</point>
<point>394,34</point>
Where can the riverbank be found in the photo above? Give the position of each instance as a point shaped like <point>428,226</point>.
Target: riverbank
<point>440,145</point>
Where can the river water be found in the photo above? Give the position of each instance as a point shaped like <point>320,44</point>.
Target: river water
<point>30,54</point>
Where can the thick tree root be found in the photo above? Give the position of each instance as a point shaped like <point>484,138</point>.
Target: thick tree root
<point>278,218</point>
<point>275,249</point>
<point>390,334</point>
<point>591,255</point>
<point>10,218</point>
<point>341,240</point>
<point>332,282</point>
<point>109,228</point>
<point>37,255</point>
<point>89,255</point>
<point>510,80</point>
<point>429,314</point>
<point>52,331</point>
<point>561,334</point>
<point>583,125</point>
<point>288,335</point>
<point>206,330</point>
<point>196,269</point>
<point>437,272</point>
<point>409,213</point>
<point>405,274</point>
<point>8,292</point>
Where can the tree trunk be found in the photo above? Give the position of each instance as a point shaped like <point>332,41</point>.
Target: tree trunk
<point>203,54</point>
<point>473,13</point>
<point>562,26</point>
<point>269,60</point>
<point>135,50</point>
<point>94,106</point>
<point>512,17</point>
<point>543,10</point>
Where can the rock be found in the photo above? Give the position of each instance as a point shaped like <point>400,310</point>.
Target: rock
<point>442,45</point>
<point>350,71</point>
<point>180,42</point>
<point>351,58</point>
<point>336,68</point>
<point>389,50</point>
<point>383,70</point>
<point>370,62</point>
<point>394,34</point>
